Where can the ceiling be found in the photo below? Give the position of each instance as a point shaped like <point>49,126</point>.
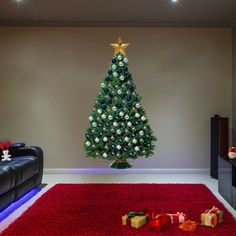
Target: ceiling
<point>118,13</point>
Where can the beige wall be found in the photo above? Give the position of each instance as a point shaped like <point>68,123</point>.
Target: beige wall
<point>49,78</point>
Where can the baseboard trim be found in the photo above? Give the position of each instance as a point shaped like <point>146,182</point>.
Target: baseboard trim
<point>126,171</point>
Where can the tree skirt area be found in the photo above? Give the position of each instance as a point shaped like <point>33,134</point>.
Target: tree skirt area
<point>96,209</point>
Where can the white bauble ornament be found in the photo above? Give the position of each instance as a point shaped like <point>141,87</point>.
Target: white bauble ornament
<point>103,85</point>
<point>104,155</point>
<point>104,116</point>
<point>87,143</point>
<point>119,57</point>
<point>97,153</point>
<point>113,67</point>
<point>93,130</point>
<point>126,139</point>
<point>106,147</point>
<point>98,118</point>
<point>96,140</point>
<point>136,149</point>
<point>134,140</point>
<point>118,131</point>
<point>105,139</point>
<point>126,60</point>
<point>118,147</point>
<point>115,74</point>
<point>115,124</point>
<point>126,117</point>
<point>141,132</point>
<point>93,146</point>
<point>94,124</point>
<point>137,105</point>
<point>122,78</point>
<point>114,108</point>
<point>121,113</point>
<point>110,117</point>
<point>119,91</point>
<point>141,140</point>
<point>112,137</point>
<point>137,115</point>
<point>90,118</point>
<point>121,63</point>
<point>99,111</point>
<point>143,118</point>
<point>129,124</point>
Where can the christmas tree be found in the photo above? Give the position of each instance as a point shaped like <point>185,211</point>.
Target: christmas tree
<point>118,126</point>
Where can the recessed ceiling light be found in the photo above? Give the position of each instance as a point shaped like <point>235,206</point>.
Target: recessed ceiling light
<point>174,0</point>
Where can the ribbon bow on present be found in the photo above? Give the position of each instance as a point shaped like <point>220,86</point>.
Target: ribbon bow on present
<point>133,214</point>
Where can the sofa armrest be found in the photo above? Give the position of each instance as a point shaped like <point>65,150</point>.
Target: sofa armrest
<point>32,151</point>
<point>28,151</point>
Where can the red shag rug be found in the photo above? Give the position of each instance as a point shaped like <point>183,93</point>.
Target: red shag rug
<point>96,210</point>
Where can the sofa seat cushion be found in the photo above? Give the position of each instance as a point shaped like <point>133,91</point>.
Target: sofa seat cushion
<point>17,171</point>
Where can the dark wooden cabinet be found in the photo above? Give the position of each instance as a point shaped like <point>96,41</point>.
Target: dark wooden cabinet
<point>227,180</point>
<point>219,141</point>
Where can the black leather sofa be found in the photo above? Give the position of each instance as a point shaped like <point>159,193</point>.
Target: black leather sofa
<point>21,174</point>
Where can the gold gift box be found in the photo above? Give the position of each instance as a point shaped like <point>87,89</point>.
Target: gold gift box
<point>212,217</point>
<point>136,221</point>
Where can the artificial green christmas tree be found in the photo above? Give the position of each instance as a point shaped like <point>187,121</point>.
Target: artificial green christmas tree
<point>118,126</point>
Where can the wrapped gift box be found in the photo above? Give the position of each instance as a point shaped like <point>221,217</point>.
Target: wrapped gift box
<point>189,226</point>
<point>212,217</point>
<point>135,221</point>
<point>177,218</point>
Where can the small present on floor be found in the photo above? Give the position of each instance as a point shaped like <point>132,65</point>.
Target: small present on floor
<point>135,219</point>
<point>189,225</point>
<point>212,217</point>
<point>159,221</point>
<point>177,218</point>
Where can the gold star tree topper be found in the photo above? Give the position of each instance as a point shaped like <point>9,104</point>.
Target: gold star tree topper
<point>119,46</point>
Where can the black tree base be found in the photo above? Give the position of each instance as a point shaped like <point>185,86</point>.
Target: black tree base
<point>119,164</point>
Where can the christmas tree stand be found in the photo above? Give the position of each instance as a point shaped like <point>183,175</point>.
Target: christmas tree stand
<point>120,164</point>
